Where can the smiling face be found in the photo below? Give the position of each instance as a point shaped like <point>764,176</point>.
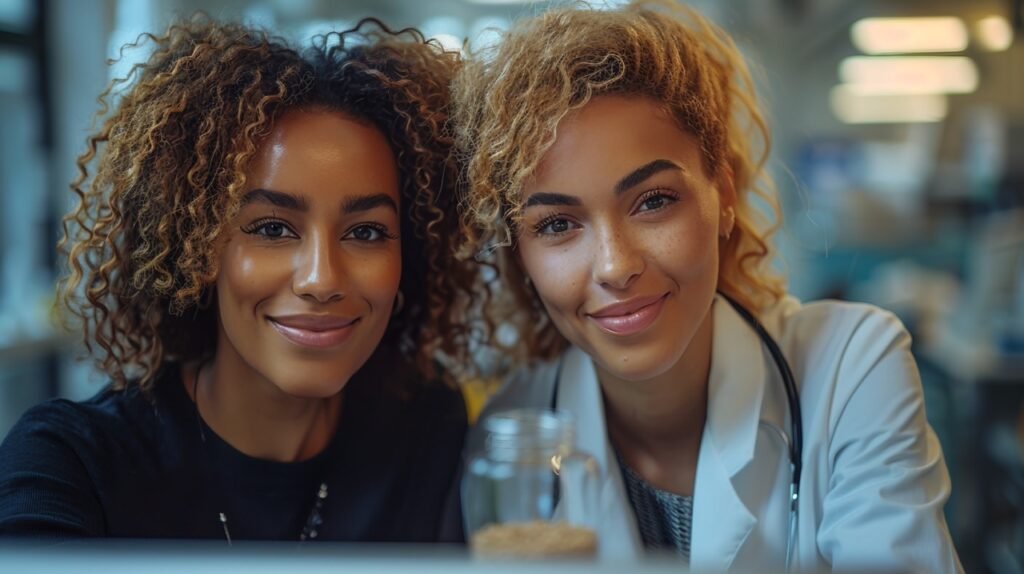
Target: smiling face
<point>311,266</point>
<point>620,236</point>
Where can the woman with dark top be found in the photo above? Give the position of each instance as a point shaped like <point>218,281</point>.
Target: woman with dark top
<point>261,263</point>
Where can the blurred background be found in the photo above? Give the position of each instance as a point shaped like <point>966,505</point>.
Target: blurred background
<point>899,154</point>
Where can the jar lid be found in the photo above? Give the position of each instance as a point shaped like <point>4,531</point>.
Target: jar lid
<point>531,428</point>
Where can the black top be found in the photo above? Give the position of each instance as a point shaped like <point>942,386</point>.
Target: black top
<point>127,464</point>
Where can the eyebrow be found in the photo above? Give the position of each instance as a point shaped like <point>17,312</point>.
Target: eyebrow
<point>277,198</point>
<point>288,201</point>
<point>642,173</point>
<point>546,198</point>
<point>635,177</point>
<point>368,202</point>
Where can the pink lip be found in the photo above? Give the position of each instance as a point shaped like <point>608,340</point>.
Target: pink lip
<point>629,317</point>
<point>314,330</point>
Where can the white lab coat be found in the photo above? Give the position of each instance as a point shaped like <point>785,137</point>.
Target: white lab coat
<point>874,480</point>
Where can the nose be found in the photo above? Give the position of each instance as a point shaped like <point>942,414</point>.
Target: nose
<point>319,275</point>
<point>618,261</point>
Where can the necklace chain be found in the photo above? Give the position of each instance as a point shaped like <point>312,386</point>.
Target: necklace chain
<point>311,528</point>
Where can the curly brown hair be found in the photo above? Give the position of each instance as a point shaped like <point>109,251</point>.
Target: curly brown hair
<point>171,157</point>
<point>509,102</point>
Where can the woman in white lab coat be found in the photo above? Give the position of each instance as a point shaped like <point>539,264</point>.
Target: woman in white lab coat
<point>612,178</point>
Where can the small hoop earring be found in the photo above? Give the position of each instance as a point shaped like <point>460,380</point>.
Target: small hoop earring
<point>399,303</point>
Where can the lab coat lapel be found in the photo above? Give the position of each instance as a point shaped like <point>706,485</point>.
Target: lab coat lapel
<point>580,393</point>
<point>721,520</point>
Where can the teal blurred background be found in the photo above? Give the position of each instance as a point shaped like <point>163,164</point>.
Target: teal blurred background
<point>914,202</point>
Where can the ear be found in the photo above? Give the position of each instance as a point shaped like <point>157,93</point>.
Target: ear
<point>726,187</point>
<point>727,201</point>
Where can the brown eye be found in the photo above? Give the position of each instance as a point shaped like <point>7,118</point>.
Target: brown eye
<point>369,233</point>
<point>559,226</point>
<point>554,226</point>
<point>656,202</point>
<point>269,229</point>
<point>366,233</point>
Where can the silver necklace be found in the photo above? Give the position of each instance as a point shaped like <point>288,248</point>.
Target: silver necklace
<point>314,521</point>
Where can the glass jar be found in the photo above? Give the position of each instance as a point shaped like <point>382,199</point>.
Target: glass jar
<point>529,493</point>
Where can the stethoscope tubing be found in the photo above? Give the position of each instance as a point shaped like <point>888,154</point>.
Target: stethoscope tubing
<point>796,443</point>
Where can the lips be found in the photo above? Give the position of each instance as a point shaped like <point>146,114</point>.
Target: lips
<point>629,317</point>
<point>319,331</point>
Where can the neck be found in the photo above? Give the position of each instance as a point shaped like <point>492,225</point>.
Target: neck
<point>254,416</point>
<point>656,425</point>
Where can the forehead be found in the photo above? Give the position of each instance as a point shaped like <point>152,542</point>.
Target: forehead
<point>608,138</point>
<point>323,153</point>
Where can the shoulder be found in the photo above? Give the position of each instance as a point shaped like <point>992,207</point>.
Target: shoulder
<point>843,338</point>
<point>67,421</point>
<point>91,431</point>
<point>830,319</point>
<point>53,465</point>
<point>52,438</point>
<point>853,361</point>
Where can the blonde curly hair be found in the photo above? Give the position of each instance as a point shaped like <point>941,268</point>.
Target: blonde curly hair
<point>169,170</point>
<point>508,104</point>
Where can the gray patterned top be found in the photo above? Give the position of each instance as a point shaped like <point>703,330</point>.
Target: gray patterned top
<point>663,518</point>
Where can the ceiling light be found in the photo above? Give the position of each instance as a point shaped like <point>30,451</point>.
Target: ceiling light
<point>853,107</point>
<point>910,74</point>
<point>909,35</point>
<point>993,33</point>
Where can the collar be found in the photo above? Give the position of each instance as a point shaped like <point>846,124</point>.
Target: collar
<point>722,520</point>
<point>736,387</point>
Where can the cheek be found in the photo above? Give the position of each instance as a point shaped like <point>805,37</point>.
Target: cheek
<point>688,248</point>
<point>559,273</point>
<point>243,271</point>
<point>377,277</point>
<point>247,277</point>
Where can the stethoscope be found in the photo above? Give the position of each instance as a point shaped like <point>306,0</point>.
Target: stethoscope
<point>794,441</point>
